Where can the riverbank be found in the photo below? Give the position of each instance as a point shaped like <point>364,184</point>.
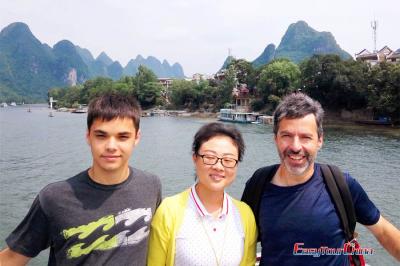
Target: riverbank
<point>203,115</point>
<point>344,122</point>
<point>180,113</point>
<point>330,118</point>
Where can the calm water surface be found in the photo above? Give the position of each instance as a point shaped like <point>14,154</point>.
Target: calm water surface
<point>36,149</point>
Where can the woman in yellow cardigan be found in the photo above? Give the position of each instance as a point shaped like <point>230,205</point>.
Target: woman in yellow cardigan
<point>203,225</point>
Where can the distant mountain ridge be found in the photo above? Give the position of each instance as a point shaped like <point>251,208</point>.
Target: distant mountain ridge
<point>26,65</point>
<point>30,68</point>
<point>300,42</point>
<point>267,56</point>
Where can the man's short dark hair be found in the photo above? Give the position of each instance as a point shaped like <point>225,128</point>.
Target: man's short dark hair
<point>214,129</point>
<point>298,105</point>
<point>114,105</point>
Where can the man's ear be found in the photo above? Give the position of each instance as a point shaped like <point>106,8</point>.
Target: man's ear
<point>138,136</point>
<point>320,141</point>
<point>88,137</point>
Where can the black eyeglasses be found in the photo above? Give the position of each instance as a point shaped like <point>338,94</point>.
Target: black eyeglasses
<point>212,160</point>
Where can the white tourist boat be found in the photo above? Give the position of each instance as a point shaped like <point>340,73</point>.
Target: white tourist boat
<point>232,115</point>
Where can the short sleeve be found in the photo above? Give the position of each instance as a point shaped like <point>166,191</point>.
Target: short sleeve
<point>32,235</point>
<point>366,211</point>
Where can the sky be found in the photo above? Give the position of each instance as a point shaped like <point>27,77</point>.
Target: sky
<point>200,34</point>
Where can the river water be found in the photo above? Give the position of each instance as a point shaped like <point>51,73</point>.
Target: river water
<point>36,149</point>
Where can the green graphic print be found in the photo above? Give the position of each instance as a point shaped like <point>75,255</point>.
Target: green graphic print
<point>108,225</point>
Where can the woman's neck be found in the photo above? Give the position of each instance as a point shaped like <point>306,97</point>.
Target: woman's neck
<point>211,200</point>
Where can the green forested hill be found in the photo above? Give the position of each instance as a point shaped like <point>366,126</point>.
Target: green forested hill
<point>67,59</point>
<point>301,42</point>
<point>26,65</point>
<point>267,56</point>
<point>29,68</point>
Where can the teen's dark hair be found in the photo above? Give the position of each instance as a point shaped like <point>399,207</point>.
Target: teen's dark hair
<point>298,105</point>
<point>214,129</point>
<point>113,105</point>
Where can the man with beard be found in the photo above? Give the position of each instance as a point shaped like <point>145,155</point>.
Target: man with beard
<point>295,212</point>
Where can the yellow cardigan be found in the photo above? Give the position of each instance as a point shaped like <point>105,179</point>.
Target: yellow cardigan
<point>168,219</point>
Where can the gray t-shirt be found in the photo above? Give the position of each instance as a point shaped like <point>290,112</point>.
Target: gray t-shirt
<point>84,222</point>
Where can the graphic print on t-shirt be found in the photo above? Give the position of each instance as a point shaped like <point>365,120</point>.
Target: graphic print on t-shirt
<point>128,227</point>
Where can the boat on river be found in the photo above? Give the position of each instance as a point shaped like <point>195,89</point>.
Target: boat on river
<point>232,115</point>
<point>80,110</point>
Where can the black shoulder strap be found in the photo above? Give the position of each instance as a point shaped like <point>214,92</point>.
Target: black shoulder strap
<point>340,193</point>
<point>255,186</point>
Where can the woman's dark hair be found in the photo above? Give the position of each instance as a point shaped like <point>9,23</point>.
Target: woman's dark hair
<point>113,105</point>
<point>211,130</point>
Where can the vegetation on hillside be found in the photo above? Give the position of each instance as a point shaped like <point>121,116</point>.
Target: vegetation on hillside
<point>28,68</point>
<point>338,84</point>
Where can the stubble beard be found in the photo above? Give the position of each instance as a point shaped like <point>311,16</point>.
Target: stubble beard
<point>296,170</point>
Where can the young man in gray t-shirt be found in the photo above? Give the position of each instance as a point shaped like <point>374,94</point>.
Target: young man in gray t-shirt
<point>102,215</point>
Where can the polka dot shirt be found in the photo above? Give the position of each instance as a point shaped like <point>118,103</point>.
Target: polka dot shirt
<point>205,240</point>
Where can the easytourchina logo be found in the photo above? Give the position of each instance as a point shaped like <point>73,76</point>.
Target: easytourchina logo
<point>349,248</point>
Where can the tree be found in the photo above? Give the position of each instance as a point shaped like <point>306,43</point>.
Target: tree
<point>95,87</point>
<point>206,95</point>
<point>335,83</point>
<point>184,94</point>
<point>278,78</point>
<point>126,85</point>
<point>143,76</point>
<point>150,94</point>
<point>245,72</point>
<point>225,88</point>
<point>384,91</point>
<point>72,96</point>
<point>147,89</point>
